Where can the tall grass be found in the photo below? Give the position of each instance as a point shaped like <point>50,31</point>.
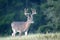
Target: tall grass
<point>50,36</point>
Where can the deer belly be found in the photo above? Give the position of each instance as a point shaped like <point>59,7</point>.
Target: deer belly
<point>19,27</point>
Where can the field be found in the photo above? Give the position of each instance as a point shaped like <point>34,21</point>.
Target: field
<point>50,36</point>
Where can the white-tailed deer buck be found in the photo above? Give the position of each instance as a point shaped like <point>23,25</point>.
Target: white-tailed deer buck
<point>23,26</point>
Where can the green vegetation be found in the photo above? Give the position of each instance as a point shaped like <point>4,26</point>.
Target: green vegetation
<point>47,18</point>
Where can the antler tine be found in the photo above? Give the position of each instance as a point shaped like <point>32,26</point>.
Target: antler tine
<point>25,11</point>
<point>33,11</point>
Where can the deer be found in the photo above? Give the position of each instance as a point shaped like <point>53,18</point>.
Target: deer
<point>23,26</point>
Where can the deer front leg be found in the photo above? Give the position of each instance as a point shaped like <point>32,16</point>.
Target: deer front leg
<point>25,33</point>
<point>14,32</point>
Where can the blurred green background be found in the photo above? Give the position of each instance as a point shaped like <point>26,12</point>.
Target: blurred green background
<point>47,18</point>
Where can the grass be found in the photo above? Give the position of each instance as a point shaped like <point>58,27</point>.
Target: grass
<point>50,36</point>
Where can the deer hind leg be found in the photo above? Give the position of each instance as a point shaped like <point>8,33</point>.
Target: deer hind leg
<point>14,32</point>
<point>20,33</point>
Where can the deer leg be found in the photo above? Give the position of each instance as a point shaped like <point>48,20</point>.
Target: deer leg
<point>14,32</point>
<point>19,33</point>
<point>25,33</point>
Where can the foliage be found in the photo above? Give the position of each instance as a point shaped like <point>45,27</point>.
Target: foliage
<point>47,17</point>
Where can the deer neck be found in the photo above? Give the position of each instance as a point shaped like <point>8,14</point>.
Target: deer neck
<point>27,25</point>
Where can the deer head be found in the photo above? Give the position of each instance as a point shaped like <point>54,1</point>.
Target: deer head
<point>30,18</point>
